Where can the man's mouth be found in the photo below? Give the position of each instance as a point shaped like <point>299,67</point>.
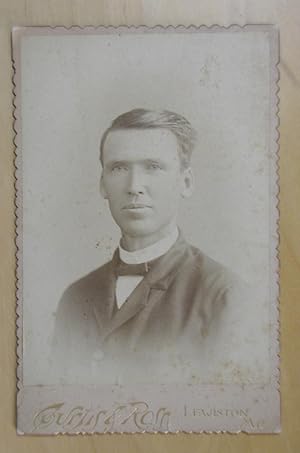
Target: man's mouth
<point>137,206</point>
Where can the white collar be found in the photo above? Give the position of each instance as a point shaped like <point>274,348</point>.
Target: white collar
<point>151,252</point>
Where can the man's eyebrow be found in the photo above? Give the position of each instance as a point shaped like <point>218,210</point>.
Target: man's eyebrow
<point>112,163</point>
<point>155,161</point>
<point>149,160</point>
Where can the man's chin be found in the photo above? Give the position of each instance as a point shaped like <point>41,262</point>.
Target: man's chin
<point>137,228</point>
<point>137,232</point>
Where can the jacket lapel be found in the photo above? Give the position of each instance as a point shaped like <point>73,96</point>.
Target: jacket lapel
<point>148,291</point>
<point>135,303</point>
<point>104,298</point>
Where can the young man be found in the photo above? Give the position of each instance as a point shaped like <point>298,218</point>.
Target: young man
<point>158,295</point>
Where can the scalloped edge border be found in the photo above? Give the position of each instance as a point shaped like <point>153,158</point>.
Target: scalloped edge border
<point>274,187</point>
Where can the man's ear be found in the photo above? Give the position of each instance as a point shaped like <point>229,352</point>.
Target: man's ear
<point>187,182</point>
<point>102,188</point>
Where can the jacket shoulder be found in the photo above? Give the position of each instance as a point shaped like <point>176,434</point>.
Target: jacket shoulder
<point>82,291</point>
<point>217,292</point>
<point>209,272</point>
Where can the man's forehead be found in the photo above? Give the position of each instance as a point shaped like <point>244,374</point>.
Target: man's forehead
<point>143,138</point>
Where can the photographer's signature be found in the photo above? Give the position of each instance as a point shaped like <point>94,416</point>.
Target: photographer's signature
<point>136,414</point>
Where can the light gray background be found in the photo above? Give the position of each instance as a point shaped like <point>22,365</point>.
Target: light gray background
<point>72,87</point>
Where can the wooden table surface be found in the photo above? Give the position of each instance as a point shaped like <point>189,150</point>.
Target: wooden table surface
<point>285,13</point>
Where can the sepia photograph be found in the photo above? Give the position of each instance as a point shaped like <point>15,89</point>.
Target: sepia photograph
<point>146,176</point>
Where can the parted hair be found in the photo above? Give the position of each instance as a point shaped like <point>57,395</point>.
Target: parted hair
<point>152,119</point>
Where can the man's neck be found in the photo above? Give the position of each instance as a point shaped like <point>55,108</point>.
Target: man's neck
<point>133,243</point>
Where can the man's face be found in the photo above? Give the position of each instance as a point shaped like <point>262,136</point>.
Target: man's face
<point>143,181</point>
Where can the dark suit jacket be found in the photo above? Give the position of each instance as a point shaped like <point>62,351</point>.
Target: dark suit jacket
<point>179,301</point>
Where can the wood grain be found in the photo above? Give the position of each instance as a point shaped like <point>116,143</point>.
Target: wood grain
<point>150,12</point>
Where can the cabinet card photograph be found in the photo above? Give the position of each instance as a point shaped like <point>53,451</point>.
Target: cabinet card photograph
<point>146,229</point>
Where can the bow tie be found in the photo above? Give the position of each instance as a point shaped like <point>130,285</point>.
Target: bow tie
<point>123,269</point>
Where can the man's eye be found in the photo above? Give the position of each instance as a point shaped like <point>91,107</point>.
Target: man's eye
<point>154,166</point>
<point>117,168</point>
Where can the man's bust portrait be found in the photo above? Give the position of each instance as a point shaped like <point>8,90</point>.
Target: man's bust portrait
<point>158,294</point>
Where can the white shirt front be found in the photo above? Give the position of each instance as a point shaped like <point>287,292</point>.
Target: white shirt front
<point>126,284</point>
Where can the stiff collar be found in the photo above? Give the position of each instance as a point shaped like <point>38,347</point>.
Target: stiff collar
<point>163,269</point>
<point>151,252</point>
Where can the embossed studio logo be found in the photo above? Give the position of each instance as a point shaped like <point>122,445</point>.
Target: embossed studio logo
<point>135,415</point>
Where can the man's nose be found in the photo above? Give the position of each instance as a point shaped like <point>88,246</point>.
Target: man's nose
<point>136,182</point>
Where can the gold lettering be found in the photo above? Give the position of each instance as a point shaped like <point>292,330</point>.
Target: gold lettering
<point>143,419</point>
<point>215,412</point>
<point>252,424</point>
<point>47,416</point>
<point>61,417</point>
<point>164,416</point>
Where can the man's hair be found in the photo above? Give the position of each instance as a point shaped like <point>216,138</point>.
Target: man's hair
<point>151,119</point>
